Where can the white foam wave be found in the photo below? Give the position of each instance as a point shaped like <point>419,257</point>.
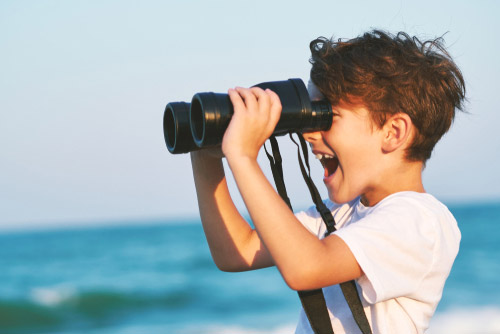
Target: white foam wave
<point>471,320</point>
<point>285,329</point>
<point>464,320</point>
<point>478,320</point>
<point>52,296</point>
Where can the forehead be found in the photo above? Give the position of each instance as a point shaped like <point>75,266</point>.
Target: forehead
<point>356,109</point>
<point>356,113</point>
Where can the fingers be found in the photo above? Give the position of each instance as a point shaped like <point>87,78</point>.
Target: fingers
<point>236,99</point>
<point>250,97</point>
<point>256,105</point>
<point>246,100</point>
<point>256,113</point>
<point>255,99</point>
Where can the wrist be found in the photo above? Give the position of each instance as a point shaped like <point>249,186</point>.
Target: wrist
<point>237,154</point>
<point>241,162</point>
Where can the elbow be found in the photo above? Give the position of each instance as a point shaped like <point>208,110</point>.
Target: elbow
<point>312,278</point>
<point>307,277</point>
<point>293,285</point>
<point>297,285</point>
<point>227,265</point>
<point>221,264</point>
<point>299,280</point>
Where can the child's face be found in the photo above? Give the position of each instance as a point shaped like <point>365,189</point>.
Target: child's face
<point>350,152</point>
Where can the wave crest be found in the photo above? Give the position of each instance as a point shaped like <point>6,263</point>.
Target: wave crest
<point>484,320</point>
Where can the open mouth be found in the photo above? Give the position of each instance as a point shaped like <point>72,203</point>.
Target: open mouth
<point>330,163</point>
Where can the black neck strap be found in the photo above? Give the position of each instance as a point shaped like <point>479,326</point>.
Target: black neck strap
<point>316,197</point>
<point>313,301</point>
<point>277,170</point>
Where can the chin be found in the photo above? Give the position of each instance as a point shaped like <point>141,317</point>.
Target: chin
<point>335,198</point>
<point>340,198</point>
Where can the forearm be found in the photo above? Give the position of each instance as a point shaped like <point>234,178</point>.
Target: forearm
<point>234,245</point>
<point>304,261</point>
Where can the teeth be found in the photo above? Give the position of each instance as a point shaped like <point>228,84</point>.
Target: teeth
<point>320,156</point>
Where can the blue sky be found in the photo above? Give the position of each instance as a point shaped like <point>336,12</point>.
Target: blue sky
<point>84,84</point>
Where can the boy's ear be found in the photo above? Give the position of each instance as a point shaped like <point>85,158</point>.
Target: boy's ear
<point>397,131</point>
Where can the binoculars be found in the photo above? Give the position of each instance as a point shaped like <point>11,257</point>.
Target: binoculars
<point>202,123</point>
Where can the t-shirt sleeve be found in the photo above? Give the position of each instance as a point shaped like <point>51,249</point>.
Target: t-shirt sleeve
<point>394,247</point>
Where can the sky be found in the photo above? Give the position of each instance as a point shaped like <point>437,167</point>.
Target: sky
<point>83,87</point>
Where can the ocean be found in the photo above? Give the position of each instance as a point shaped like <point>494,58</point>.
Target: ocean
<point>158,277</point>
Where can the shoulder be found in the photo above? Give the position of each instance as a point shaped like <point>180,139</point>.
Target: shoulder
<point>422,210</point>
<point>404,238</point>
<point>409,214</point>
<point>414,201</point>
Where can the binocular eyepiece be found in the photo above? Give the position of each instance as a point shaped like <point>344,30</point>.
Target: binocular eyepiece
<point>202,123</point>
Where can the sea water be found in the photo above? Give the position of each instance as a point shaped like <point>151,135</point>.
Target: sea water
<point>159,278</point>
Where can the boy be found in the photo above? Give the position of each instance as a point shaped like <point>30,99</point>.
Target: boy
<point>393,98</point>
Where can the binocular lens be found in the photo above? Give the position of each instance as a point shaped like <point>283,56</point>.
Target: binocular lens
<point>196,117</point>
<point>203,122</point>
<point>176,128</point>
<point>210,115</point>
<point>169,126</point>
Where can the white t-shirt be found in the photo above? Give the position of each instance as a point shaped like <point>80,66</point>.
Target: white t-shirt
<point>405,245</point>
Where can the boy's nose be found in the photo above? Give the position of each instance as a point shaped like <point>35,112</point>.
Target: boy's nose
<point>312,137</point>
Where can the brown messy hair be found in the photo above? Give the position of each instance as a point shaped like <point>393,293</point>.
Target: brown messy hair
<point>388,74</point>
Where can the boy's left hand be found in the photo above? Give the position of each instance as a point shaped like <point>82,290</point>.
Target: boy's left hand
<point>256,113</point>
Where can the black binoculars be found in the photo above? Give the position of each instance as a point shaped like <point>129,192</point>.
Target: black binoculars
<point>202,123</point>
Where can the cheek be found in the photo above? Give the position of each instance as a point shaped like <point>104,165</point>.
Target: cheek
<point>360,164</point>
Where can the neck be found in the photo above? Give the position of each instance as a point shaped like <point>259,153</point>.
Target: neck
<point>405,177</point>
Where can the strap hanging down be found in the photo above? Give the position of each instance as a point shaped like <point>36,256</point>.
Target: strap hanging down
<point>316,197</point>
<point>314,304</point>
<point>313,301</point>
<point>277,170</point>
<point>349,289</point>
